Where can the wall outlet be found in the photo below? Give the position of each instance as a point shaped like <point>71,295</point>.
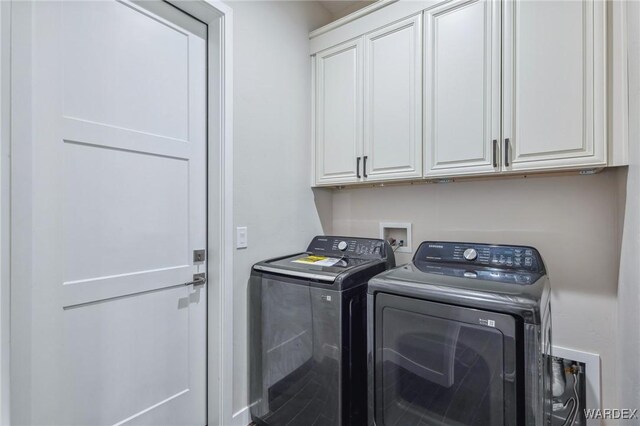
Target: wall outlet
<point>241,237</point>
<point>395,231</point>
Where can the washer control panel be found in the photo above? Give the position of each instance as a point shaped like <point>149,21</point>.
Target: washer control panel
<point>348,246</point>
<point>520,258</point>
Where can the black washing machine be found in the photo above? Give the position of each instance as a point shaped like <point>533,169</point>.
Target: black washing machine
<point>307,332</point>
<point>461,336</point>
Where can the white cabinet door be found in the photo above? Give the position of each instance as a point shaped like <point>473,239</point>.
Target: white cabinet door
<point>462,88</point>
<point>554,84</point>
<point>338,142</point>
<point>393,101</point>
<point>111,146</point>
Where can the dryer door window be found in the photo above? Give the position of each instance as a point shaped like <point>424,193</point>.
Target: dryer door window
<point>439,364</point>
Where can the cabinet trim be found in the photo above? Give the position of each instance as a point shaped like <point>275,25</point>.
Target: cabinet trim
<point>351,17</point>
<point>314,163</point>
<point>371,20</point>
<point>618,112</point>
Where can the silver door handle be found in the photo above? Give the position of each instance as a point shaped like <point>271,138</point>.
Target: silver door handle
<point>198,279</point>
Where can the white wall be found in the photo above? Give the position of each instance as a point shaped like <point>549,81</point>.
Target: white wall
<point>272,100</point>
<point>4,214</point>
<point>575,222</point>
<point>629,290</point>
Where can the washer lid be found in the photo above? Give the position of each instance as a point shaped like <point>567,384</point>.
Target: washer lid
<point>312,266</point>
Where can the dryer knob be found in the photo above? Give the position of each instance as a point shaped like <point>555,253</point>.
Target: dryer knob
<point>470,254</point>
<point>342,245</point>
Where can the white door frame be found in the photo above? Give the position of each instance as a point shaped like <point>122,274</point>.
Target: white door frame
<point>219,18</point>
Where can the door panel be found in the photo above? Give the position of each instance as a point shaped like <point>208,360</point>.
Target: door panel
<point>120,65</point>
<point>462,88</point>
<point>554,68</point>
<point>339,113</point>
<point>93,185</point>
<point>117,204</point>
<point>139,351</point>
<point>393,101</point>
<point>443,364</point>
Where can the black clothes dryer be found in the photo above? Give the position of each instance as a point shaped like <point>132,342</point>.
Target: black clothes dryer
<point>307,332</point>
<point>461,336</point>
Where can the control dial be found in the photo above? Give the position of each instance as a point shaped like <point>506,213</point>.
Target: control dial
<point>470,254</point>
<point>342,245</point>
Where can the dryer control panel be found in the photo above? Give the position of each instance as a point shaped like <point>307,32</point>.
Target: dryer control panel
<point>520,258</point>
<point>367,248</point>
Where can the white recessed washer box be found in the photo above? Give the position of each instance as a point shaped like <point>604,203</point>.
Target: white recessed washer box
<point>399,232</point>
<point>592,375</point>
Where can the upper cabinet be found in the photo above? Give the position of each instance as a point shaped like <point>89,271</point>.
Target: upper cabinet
<point>368,120</point>
<point>393,101</point>
<point>339,113</point>
<point>554,84</point>
<point>435,89</point>
<point>462,88</point>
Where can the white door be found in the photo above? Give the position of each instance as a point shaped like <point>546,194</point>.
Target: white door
<point>462,88</point>
<point>111,207</point>
<point>338,139</point>
<point>393,101</point>
<point>554,84</point>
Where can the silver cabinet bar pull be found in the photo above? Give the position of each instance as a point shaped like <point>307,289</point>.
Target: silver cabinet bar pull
<point>198,279</point>
<point>506,152</point>
<point>495,153</point>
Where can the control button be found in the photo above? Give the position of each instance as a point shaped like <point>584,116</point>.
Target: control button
<point>342,245</point>
<point>528,261</point>
<point>528,253</point>
<point>523,279</point>
<point>470,254</point>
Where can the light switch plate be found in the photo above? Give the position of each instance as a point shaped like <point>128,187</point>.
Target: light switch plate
<point>241,237</point>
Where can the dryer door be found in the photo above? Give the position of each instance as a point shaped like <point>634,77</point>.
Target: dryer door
<point>442,364</point>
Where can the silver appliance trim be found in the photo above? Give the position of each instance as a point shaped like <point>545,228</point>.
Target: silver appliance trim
<point>298,274</point>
